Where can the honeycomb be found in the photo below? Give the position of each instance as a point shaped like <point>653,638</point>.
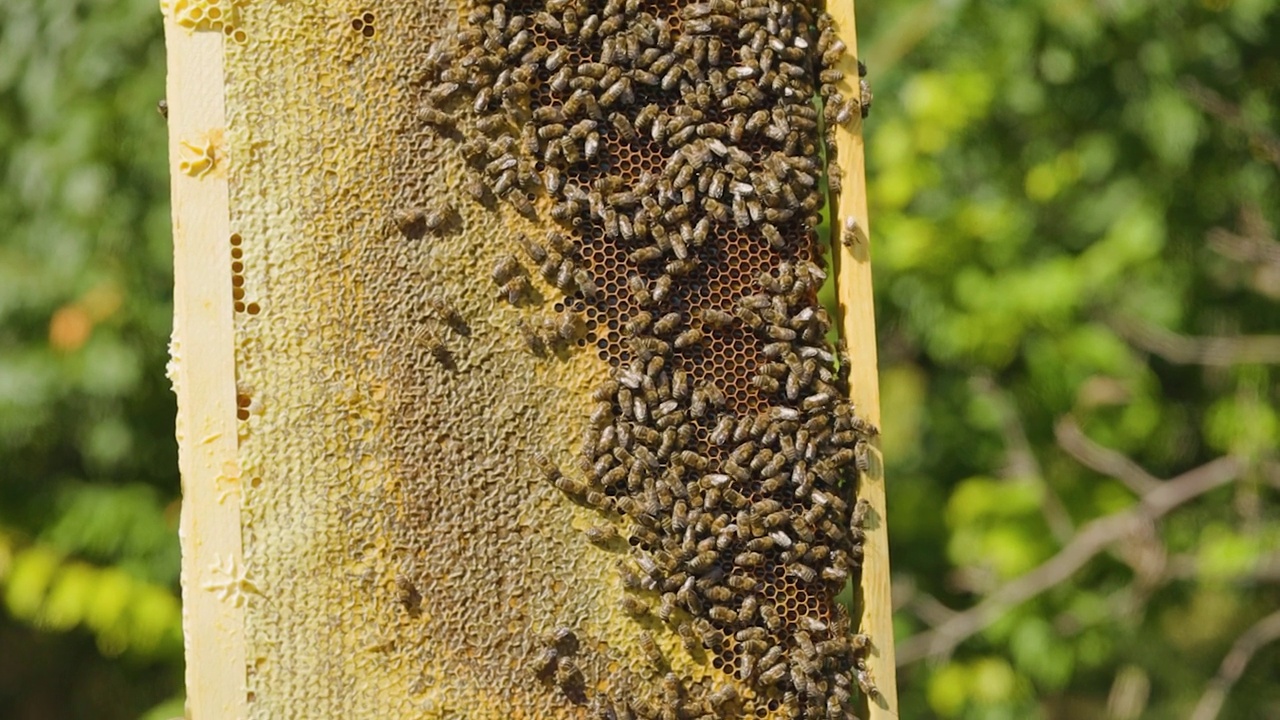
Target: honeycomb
<point>478,483</point>
<point>677,145</point>
<point>216,15</point>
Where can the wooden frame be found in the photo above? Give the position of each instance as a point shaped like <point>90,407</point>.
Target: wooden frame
<point>201,371</point>
<point>852,257</point>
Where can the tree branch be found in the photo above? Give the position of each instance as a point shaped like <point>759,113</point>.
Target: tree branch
<point>1186,350</point>
<point>1092,539</point>
<point>1101,459</point>
<point>1261,633</point>
<point>1220,108</point>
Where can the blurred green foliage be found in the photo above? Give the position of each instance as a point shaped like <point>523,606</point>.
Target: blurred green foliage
<point>90,619</point>
<point>1043,175</point>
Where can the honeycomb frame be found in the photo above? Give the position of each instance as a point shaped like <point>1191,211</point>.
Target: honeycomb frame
<point>366,295</point>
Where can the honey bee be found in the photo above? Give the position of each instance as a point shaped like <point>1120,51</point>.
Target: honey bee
<point>688,637</point>
<point>532,340</point>
<point>634,606</point>
<point>722,614</point>
<point>671,690</point>
<point>433,116</point>
<point>639,289</point>
<point>774,674</point>
<point>852,232</point>
<point>434,344</point>
<point>567,673</point>
<point>569,486</point>
<point>865,683</point>
<point>649,253</point>
<point>447,313</point>
<point>544,664</point>
<point>516,289</point>
<point>861,510</point>
<point>649,647</point>
<point>505,268</point>
<point>546,466</point>
<point>564,277</point>
<point>601,534</point>
<point>442,92</point>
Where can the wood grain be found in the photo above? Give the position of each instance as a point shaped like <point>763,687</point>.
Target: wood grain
<point>853,289</point>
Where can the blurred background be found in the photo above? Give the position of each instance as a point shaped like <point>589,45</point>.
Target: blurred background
<point>1073,207</point>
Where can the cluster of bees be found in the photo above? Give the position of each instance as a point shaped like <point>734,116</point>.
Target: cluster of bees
<point>677,144</point>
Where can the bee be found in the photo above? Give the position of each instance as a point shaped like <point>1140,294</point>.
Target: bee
<point>650,649</point>
<point>775,673</point>
<point>546,466</point>
<point>533,250</point>
<point>779,333</point>
<point>505,268</point>
<point>516,289</point>
<point>852,232</point>
<point>505,182</point>
<point>630,579</point>
<point>865,683</point>
<point>634,606</point>
<point>804,572</point>
<point>620,90</point>
<point>688,338</point>
<point>865,96</point>
<point>830,75</point>
<point>747,612</point>
<point>564,276</point>
<point>447,313</point>
<point>861,510</point>
<point>688,637</point>
<point>671,689</point>
<point>475,187</point>
<point>722,614</point>
<point>703,561</point>
<point>668,323</point>
<point>662,288</point>
<point>680,268</point>
<point>722,433</point>
<point>648,253</point>
<point>666,606</point>
<point>410,221</point>
<point>544,664</point>
<point>601,534</point>
<point>563,639</point>
<point>442,92</point>
<point>567,673</point>
<point>520,201</point>
<point>569,486</point>
<point>586,285</point>
<point>623,126</point>
<point>532,340</point>
<point>742,583</point>
<point>772,620</point>
<point>639,289</point>
<point>716,319</point>
<point>860,641</point>
<point>434,344</point>
<point>718,594</point>
<point>433,116</point>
